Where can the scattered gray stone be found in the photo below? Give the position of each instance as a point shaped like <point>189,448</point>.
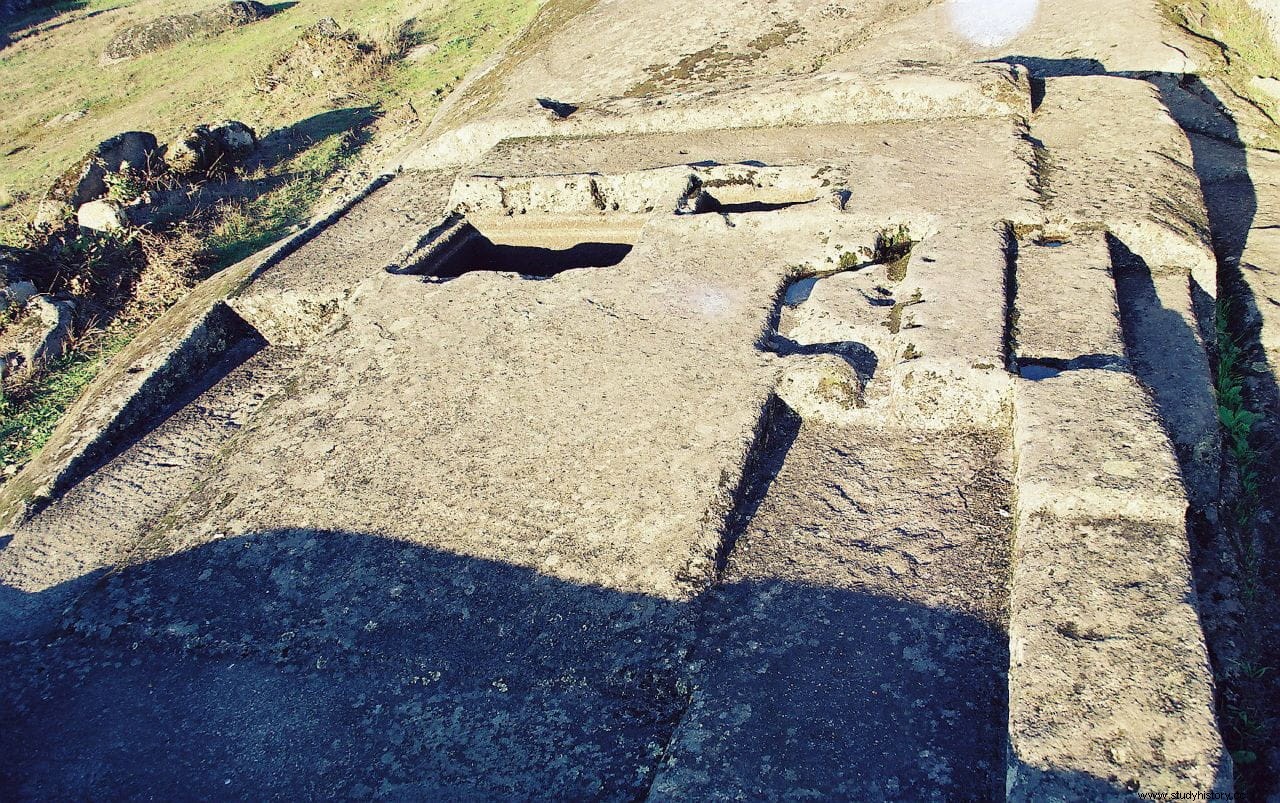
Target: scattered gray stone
<point>101,215</point>
<point>65,119</point>
<point>168,30</point>
<point>327,26</point>
<point>422,52</point>
<point>236,139</point>
<point>87,180</point>
<point>192,153</point>
<point>52,214</point>
<point>211,148</point>
<point>10,263</point>
<point>16,294</point>
<point>39,335</point>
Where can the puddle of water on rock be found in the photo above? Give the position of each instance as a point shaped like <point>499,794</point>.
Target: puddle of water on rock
<point>1037,372</point>
<point>798,292</point>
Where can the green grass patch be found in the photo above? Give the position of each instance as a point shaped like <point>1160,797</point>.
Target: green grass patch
<point>242,228</point>
<point>543,20</point>
<point>207,79</point>
<point>1238,422</point>
<point>1247,50</point>
<point>27,421</point>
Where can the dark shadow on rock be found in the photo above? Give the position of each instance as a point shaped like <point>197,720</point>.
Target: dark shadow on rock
<point>1041,68</point>
<point>307,663</point>
<point>560,109</point>
<point>779,427</point>
<point>482,254</point>
<point>862,359</point>
<point>1169,357</point>
<point>854,696</point>
<point>303,664</point>
<point>747,207</point>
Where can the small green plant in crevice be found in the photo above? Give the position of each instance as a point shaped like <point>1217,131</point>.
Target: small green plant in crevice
<point>1238,423</point>
<point>1246,724</point>
<point>893,249</point>
<point>124,186</point>
<point>1245,683</point>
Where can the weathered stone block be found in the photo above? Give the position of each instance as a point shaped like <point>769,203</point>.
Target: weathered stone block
<point>1066,309</point>
<point>1110,687</point>
<point>1090,444</point>
<point>1114,158</point>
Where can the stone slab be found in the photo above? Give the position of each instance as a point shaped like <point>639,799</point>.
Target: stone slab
<point>1115,159</point>
<point>895,93</point>
<point>950,361</point>
<point>1066,305</point>
<point>854,648</point>
<point>495,416</point>
<point>926,333</point>
<point>297,298</point>
<point>1090,444</point>
<point>1260,268</point>
<point>973,170</point>
<point>1110,689</point>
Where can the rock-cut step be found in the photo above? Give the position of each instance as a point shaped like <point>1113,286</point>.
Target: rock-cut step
<point>55,556</point>
<point>856,646</point>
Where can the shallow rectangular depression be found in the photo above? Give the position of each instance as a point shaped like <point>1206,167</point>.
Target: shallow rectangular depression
<point>537,248</point>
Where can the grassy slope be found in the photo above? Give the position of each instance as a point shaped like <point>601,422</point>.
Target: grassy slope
<point>56,71</point>
<point>1243,43</point>
<point>207,79</point>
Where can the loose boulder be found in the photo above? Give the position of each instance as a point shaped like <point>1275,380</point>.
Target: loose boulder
<point>51,214</point>
<point>36,337</point>
<point>16,295</point>
<point>17,267</point>
<point>168,30</point>
<point>101,215</point>
<point>87,180</point>
<point>211,149</point>
<point>236,139</point>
